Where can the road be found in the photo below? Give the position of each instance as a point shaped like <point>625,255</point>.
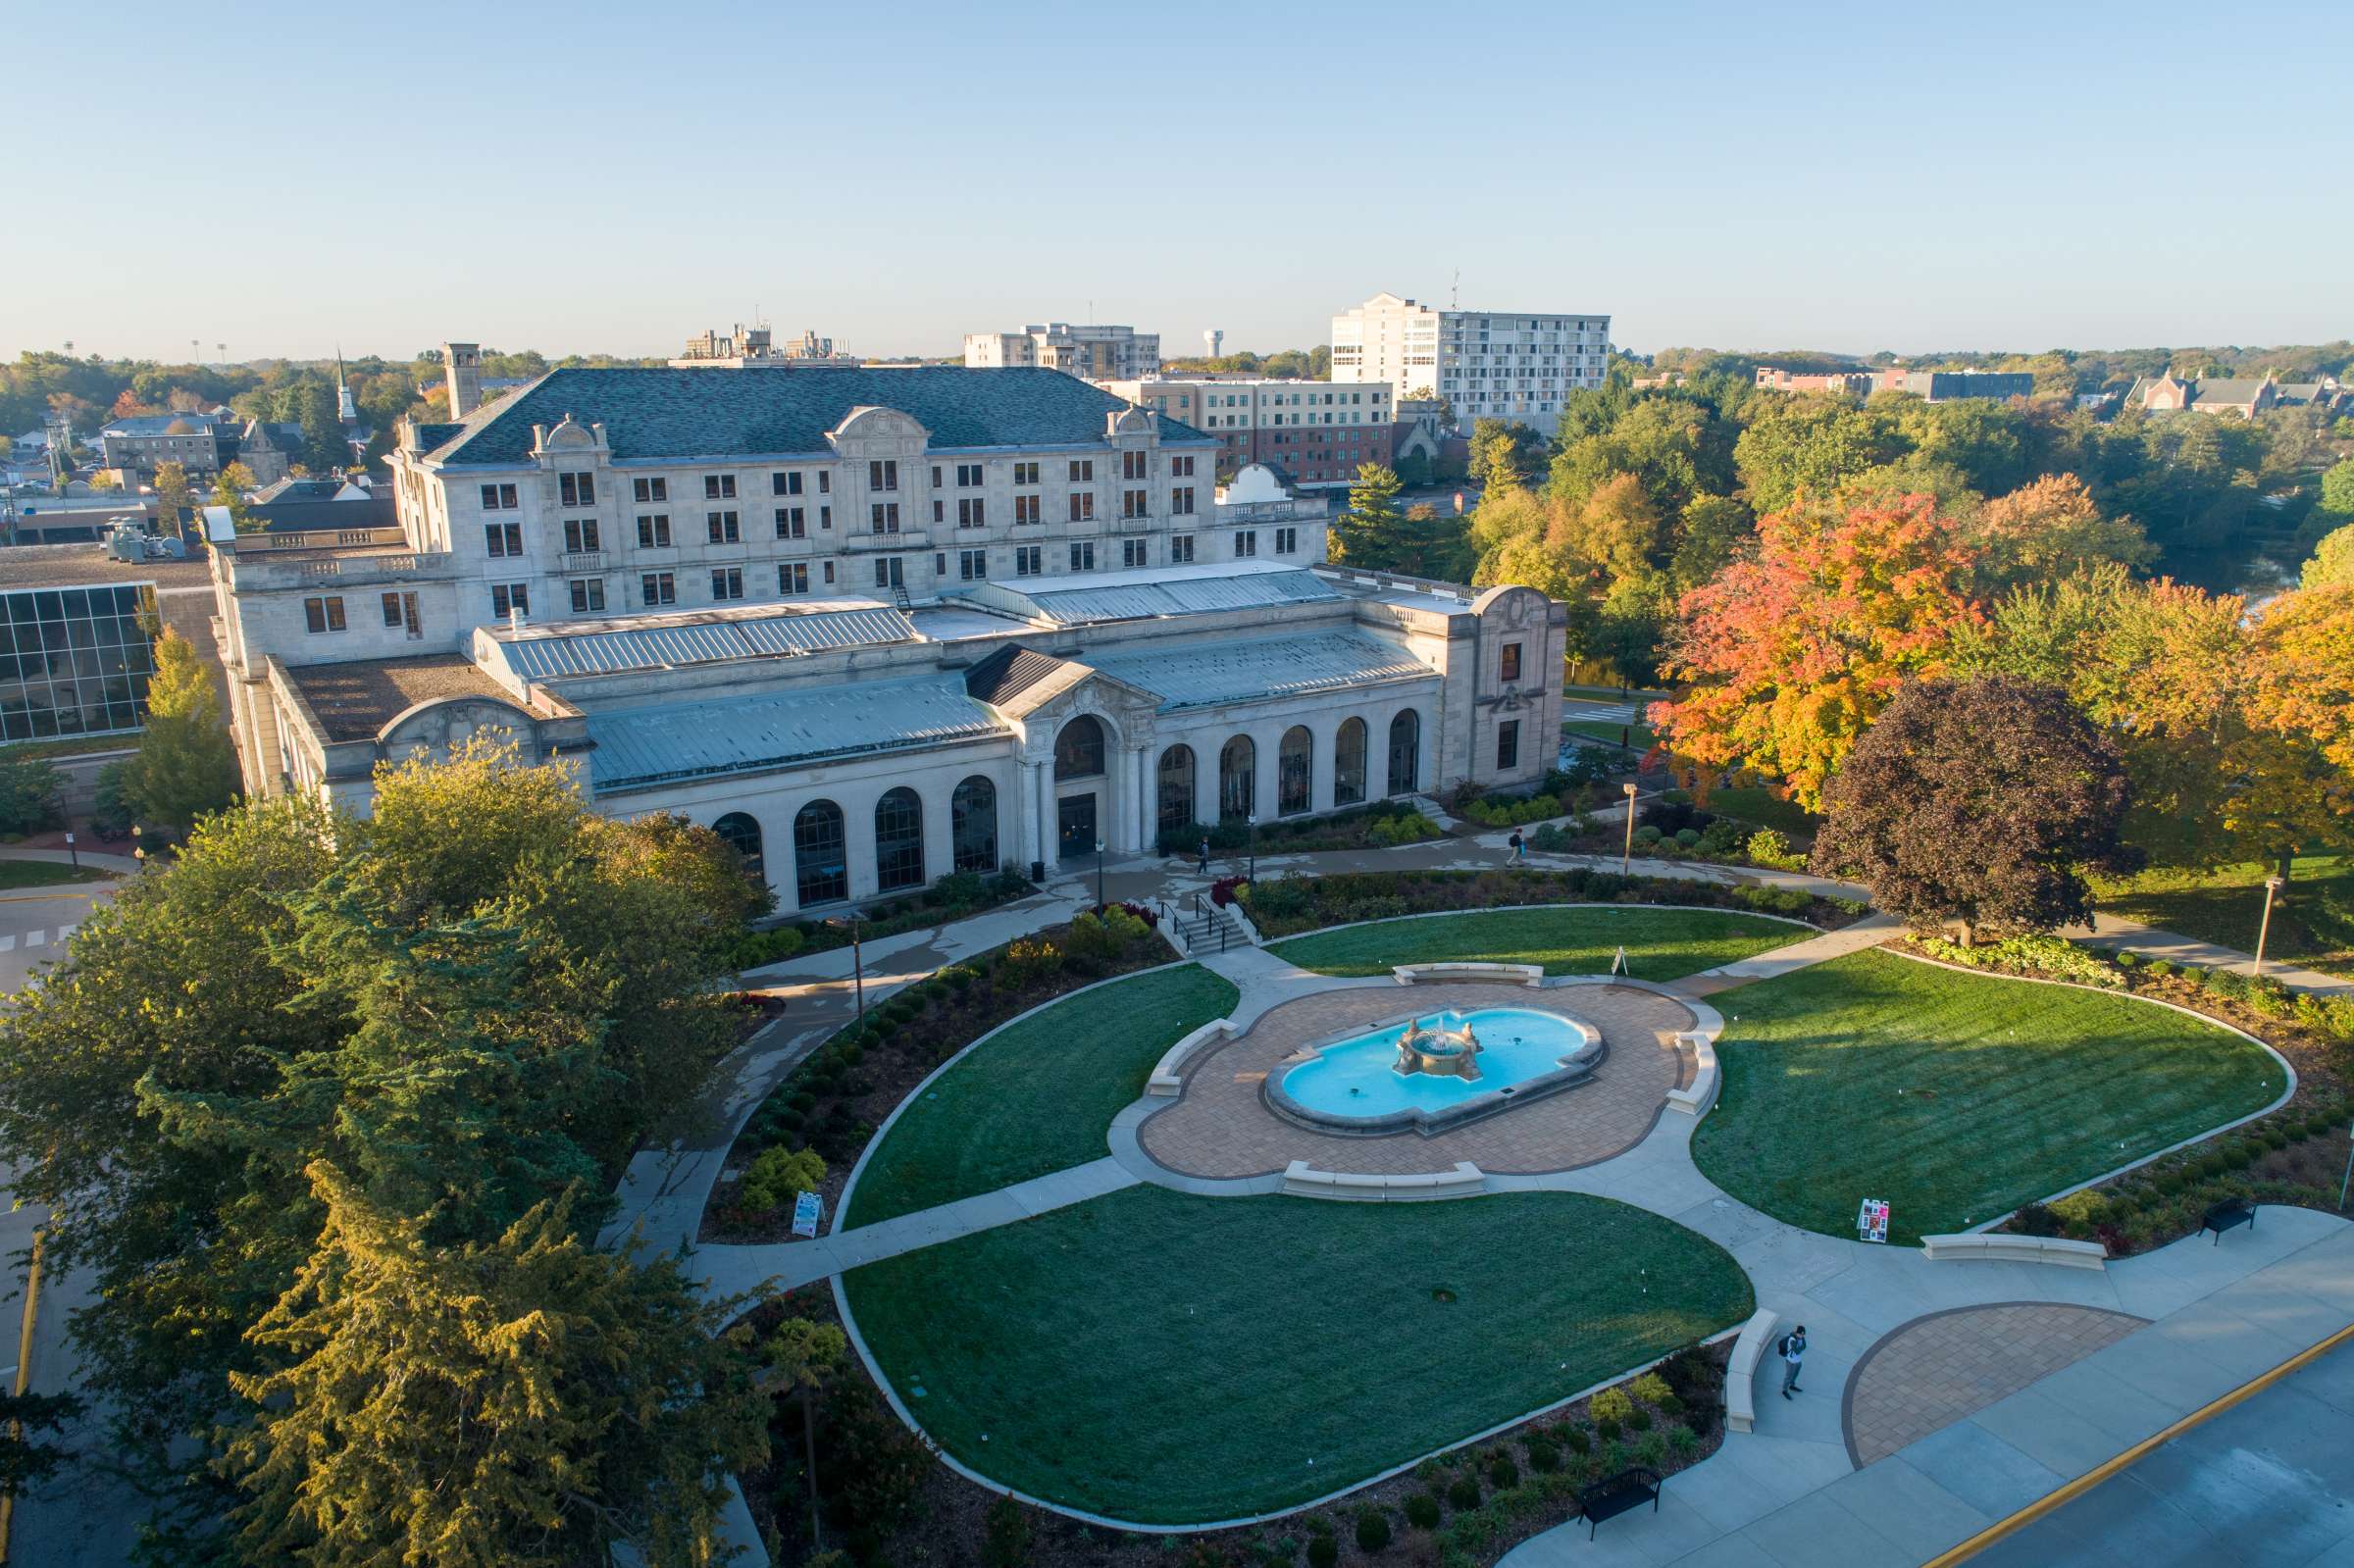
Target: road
<point>34,926</point>
<point>2271,1480</point>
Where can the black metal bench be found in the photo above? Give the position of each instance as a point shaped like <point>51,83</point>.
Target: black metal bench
<point>2230,1212</point>
<point>1613,1496</point>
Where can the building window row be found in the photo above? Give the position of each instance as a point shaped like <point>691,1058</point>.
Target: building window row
<point>1177,803</point>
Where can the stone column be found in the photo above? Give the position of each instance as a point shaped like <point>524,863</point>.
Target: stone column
<point>1141,814</point>
<point>1046,820</point>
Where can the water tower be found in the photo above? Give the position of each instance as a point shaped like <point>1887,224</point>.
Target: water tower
<point>1214,340</point>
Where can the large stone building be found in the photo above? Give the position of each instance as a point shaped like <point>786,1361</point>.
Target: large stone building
<point>1315,431</point>
<point>1095,353</point>
<point>1486,364</point>
<point>875,627</point>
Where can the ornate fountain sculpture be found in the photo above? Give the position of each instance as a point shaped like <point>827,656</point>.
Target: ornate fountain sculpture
<point>1429,1046</point>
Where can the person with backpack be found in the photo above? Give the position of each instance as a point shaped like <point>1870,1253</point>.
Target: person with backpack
<point>1793,1351</point>
<point>1203,867</point>
<point>1519,848</point>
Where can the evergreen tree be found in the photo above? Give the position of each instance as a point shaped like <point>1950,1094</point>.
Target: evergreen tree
<point>184,766</point>
<point>1372,531</point>
<point>524,1401</point>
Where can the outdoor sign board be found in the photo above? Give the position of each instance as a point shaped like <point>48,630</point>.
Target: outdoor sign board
<point>1871,1220</point>
<point>806,1207</point>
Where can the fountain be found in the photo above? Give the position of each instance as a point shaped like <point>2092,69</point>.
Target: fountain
<point>1429,1046</point>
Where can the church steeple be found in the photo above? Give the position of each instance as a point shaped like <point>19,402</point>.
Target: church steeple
<point>346,410</point>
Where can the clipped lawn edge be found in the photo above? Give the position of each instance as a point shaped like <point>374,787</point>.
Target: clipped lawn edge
<point>2286,1066</point>
<point>898,1406</point>
<point>849,1188</point>
<point>1508,909</point>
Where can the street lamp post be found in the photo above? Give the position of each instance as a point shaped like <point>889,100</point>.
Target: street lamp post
<point>1626,862</point>
<point>1099,904</point>
<point>2271,885</point>
<point>857,967</point>
<point>72,853</point>
<point>1250,876</point>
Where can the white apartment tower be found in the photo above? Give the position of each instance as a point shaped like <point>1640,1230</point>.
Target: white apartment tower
<point>1508,365</point>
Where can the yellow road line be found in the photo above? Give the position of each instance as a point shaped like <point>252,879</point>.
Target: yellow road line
<point>32,1307</point>
<point>2059,1499</point>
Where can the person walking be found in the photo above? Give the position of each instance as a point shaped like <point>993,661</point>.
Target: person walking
<point>1519,848</point>
<point>1203,867</point>
<point>1794,1350</point>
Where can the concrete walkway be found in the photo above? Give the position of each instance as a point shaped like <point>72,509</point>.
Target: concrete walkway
<point>2153,941</point>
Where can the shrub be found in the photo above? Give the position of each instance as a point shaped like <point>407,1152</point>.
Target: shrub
<point>1687,837</point>
<point>30,790</point>
<point>1222,891</point>
<point>1503,1473</point>
<point>776,1175</point>
<point>1647,835</point>
<point>2160,967</point>
<point>1423,1511</point>
<point>1372,1529</point>
<point>1608,1429</point>
<point>1578,1439</point>
<point>1768,847</point>
<point>1543,1457</point>
<point>871,1468</point>
<point>2039,955</point>
<point>1651,1450</point>
<point>2081,1213</point>
<point>1323,1551</point>
<point>1651,1388</point>
<point>1612,1404</point>
<point>1793,901</point>
<point>1028,961</point>
<point>2034,1219</point>
<point>1638,1419</point>
<point>1004,1534</point>
<point>1683,1440</point>
<point>1464,1494</point>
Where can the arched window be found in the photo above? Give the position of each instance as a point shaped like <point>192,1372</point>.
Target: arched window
<point>898,840</point>
<point>1177,787</point>
<point>821,873</point>
<point>743,835</point>
<point>1236,796</point>
<point>973,825</point>
<point>1406,753</point>
<point>1292,790</point>
<point>1079,749</point>
<point>1349,762</point>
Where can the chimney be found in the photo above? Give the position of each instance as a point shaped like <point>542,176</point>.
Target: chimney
<point>463,362</point>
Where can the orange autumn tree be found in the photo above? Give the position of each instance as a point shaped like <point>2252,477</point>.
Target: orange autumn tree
<point>2291,764</point>
<point>1791,654</point>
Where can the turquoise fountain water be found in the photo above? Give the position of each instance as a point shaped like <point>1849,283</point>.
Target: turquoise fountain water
<point>1361,1076</point>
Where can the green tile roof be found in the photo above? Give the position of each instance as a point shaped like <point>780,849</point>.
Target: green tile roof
<point>658,414</point>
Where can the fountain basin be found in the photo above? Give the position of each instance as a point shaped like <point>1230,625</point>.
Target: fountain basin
<point>1361,1085</point>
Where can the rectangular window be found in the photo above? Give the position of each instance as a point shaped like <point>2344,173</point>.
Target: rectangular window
<point>889,572</point>
<point>788,483</point>
<point>1025,473</point>
<point>1508,744</point>
<point>883,474</point>
<point>1245,542</point>
<point>391,609</point>
<point>939,510</point>
<point>824,482</point>
<point>1135,465</point>
<point>968,512</point>
<point>510,598</point>
<point>650,489</point>
<point>719,527</point>
<point>1287,540</point>
<point>502,539</point>
<point>581,533</point>
<point>1083,470</point>
<point>653,532</point>
<point>498,498</point>
<point>1135,553</point>
<point>1181,501</point>
<point>1026,561</point>
<point>968,475</point>
<point>323,615</point>
<point>972,566</point>
<point>1509,666</point>
<point>886,517</point>
<point>825,518</point>
<point>1083,555</point>
<point>793,577</point>
<point>576,489</point>
<point>726,582</point>
<point>1181,468</point>
<point>791,524</point>
<point>657,589</point>
<point>1083,505</point>
<point>1181,549</point>
<point>829,573</point>
<point>719,486</point>
<point>587,595</point>
<point>1025,509</point>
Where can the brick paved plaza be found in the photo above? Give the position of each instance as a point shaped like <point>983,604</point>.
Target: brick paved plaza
<point>1937,1370</point>
<point>1221,1128</point>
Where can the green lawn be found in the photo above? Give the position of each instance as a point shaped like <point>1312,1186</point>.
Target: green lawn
<point>1638,733</point>
<point>1171,1359</point>
<point>1660,944</point>
<point>1759,807</point>
<point>1039,1097</point>
<point>42,874</point>
<point>1955,1097</point>
<point>2313,927</point>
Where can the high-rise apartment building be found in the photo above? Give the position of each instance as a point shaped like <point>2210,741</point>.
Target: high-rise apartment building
<point>1095,353</point>
<point>1486,364</point>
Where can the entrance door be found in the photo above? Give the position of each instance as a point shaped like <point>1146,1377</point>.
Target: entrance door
<point>889,574</point>
<point>1077,818</point>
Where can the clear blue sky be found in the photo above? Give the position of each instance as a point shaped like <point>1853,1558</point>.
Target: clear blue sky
<point>605,176</point>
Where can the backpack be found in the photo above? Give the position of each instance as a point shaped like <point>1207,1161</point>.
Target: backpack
<point>1784,1349</point>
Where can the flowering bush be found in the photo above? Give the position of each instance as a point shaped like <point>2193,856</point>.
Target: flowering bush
<point>2041,955</point>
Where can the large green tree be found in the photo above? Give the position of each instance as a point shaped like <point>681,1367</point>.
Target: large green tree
<point>1372,531</point>
<point>184,766</point>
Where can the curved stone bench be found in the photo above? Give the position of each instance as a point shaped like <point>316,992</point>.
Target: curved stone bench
<point>1741,1371</point>
<point>1701,1093</point>
<point>1300,1180</point>
<point>1989,1248</point>
<point>1432,974</point>
<point>1167,1079</point>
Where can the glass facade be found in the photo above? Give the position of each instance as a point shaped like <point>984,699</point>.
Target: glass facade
<point>74,662</point>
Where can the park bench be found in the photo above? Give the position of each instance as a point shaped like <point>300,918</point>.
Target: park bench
<point>1613,1496</point>
<point>2230,1212</point>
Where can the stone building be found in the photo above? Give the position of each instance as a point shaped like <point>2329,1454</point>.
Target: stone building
<point>1095,353</point>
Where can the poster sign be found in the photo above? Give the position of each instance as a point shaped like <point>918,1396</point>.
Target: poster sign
<point>1871,1220</point>
<point>806,1208</point>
